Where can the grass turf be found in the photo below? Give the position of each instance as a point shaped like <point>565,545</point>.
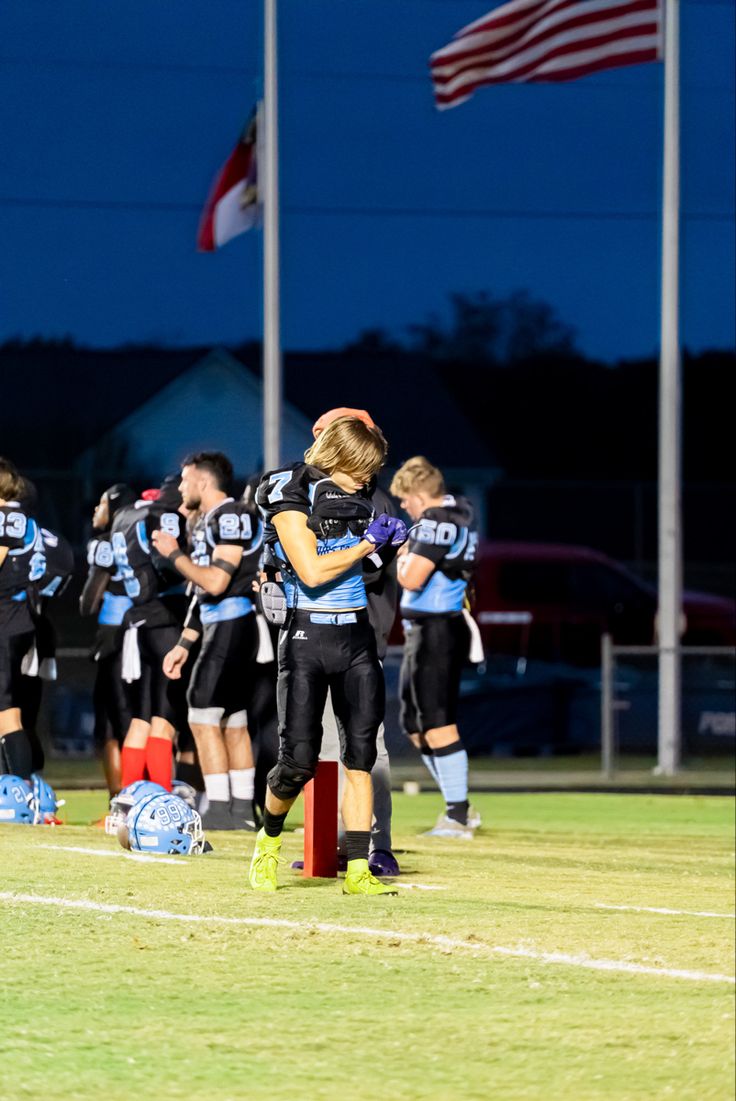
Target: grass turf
<point>110,1005</point>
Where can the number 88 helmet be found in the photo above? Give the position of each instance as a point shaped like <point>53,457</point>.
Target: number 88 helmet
<point>163,824</point>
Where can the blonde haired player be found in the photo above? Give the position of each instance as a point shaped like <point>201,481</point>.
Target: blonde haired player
<point>434,569</point>
<point>320,527</point>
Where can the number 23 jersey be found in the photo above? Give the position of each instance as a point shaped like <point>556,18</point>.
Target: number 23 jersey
<point>24,563</point>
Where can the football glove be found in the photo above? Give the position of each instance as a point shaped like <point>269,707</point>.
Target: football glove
<point>386,529</point>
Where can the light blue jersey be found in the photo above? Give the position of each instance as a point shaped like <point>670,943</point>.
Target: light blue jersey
<point>338,520</point>
<point>445,535</point>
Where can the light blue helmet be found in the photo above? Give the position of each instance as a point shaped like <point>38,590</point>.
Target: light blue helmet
<point>121,803</point>
<point>186,792</point>
<point>163,824</point>
<point>16,801</point>
<point>44,802</point>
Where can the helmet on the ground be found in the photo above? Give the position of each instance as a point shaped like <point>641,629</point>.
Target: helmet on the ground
<point>44,802</point>
<point>15,800</point>
<point>186,792</point>
<point>163,824</point>
<point>121,803</point>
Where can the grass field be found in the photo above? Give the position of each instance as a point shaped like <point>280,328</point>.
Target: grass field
<point>511,980</point>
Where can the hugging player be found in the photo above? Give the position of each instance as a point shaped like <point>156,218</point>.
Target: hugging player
<point>320,528</point>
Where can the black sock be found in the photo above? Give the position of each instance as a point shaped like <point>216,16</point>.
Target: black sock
<point>17,754</point>
<point>458,812</point>
<point>357,843</point>
<point>190,774</point>
<point>273,824</point>
<point>38,757</point>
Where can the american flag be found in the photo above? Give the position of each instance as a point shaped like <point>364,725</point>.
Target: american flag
<point>545,40</point>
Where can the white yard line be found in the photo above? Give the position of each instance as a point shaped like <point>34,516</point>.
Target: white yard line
<point>418,887</point>
<point>437,941</point>
<point>663,910</point>
<point>143,858</point>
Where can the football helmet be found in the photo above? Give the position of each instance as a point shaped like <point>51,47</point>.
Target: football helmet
<point>186,792</point>
<point>121,803</point>
<point>163,824</point>
<point>44,802</point>
<point>16,800</point>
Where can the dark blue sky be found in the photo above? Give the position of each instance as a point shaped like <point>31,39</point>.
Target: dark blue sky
<point>115,117</point>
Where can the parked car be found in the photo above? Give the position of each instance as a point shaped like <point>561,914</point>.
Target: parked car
<point>553,602</point>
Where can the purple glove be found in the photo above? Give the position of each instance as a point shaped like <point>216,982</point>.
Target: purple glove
<point>386,529</point>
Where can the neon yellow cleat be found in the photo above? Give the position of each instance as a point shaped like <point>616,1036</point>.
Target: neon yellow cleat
<point>264,865</point>
<point>359,881</point>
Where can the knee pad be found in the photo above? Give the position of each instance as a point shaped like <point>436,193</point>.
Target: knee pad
<point>287,778</point>
<point>237,721</point>
<point>205,716</point>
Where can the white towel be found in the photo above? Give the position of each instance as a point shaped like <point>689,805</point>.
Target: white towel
<point>265,645</point>
<point>131,655</point>
<point>29,665</point>
<point>475,653</point>
<point>47,670</point>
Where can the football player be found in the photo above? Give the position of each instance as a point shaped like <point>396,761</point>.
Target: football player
<point>104,595</point>
<point>226,543</point>
<point>435,566</point>
<point>320,528</point>
<point>382,590</point>
<point>49,582</point>
<point>22,561</point>
<point>152,626</point>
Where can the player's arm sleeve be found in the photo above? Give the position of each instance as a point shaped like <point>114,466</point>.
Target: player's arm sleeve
<point>173,524</point>
<point>432,537</point>
<point>284,491</point>
<point>13,525</point>
<point>233,527</point>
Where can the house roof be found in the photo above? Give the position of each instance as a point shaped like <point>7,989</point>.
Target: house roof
<point>59,399</point>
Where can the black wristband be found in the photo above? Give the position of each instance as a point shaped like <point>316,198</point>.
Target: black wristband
<point>175,554</point>
<point>225,566</point>
<point>186,643</point>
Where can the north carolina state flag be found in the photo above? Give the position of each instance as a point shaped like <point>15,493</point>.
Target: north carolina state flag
<point>233,205</point>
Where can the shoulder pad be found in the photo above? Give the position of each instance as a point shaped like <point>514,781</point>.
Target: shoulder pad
<point>287,489</point>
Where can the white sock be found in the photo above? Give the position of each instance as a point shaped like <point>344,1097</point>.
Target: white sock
<point>217,787</point>
<point>242,782</point>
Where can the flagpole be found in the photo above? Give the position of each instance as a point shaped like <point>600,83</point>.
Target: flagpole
<point>670,400</point>
<point>271,291</point>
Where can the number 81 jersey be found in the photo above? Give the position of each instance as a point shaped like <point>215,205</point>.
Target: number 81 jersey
<point>229,524</point>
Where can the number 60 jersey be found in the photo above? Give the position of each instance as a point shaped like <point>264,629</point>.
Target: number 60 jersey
<point>229,524</point>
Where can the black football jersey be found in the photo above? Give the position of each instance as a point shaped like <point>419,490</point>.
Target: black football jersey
<point>338,519</point>
<point>100,556</point>
<point>229,524</point>
<point>59,565</point>
<point>447,536</point>
<point>25,563</point>
<point>145,574</point>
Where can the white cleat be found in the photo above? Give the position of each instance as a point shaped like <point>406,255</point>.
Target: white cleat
<point>448,827</point>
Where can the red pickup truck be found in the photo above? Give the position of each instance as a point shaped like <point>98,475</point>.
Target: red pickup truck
<point>548,601</point>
